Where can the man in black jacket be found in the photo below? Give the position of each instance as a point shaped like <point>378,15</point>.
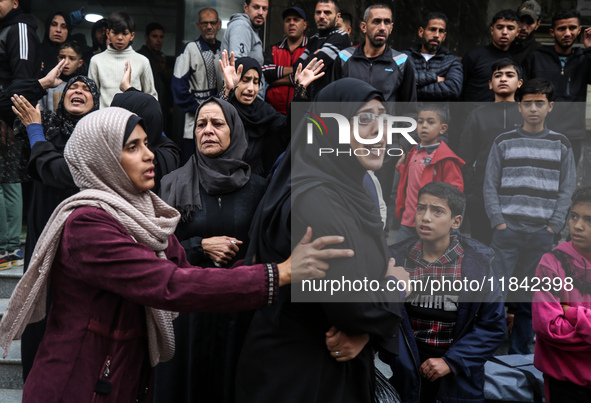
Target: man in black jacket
<point>568,68</point>
<point>477,62</point>
<point>438,72</point>
<point>375,62</point>
<point>530,18</point>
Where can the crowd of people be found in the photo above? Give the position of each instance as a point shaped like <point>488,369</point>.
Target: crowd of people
<point>157,271</point>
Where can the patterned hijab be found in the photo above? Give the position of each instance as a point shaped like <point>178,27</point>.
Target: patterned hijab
<point>93,154</point>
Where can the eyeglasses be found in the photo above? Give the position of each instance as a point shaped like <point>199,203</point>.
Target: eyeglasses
<point>206,23</point>
<point>367,118</point>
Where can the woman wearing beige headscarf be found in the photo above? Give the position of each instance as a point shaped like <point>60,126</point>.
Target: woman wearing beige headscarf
<point>116,270</point>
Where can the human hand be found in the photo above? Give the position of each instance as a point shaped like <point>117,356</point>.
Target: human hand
<point>550,229</point>
<point>440,79</point>
<point>52,79</point>
<point>220,249</point>
<point>311,73</point>
<point>434,368</point>
<point>307,260</point>
<point>126,80</point>
<point>587,37</point>
<point>501,226</point>
<point>400,161</point>
<point>231,75</point>
<point>342,346</point>
<point>565,307</point>
<point>401,275</point>
<point>26,112</point>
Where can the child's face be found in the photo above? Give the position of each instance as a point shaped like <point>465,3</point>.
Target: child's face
<point>505,81</point>
<point>433,219</point>
<point>429,127</point>
<point>120,40</point>
<point>534,108</point>
<point>73,61</point>
<point>579,225</point>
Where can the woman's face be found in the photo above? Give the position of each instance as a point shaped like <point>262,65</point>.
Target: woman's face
<point>211,130</point>
<point>136,160</point>
<point>371,156</point>
<point>248,87</point>
<point>78,100</point>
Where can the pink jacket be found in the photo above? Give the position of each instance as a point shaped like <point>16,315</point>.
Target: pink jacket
<point>563,344</point>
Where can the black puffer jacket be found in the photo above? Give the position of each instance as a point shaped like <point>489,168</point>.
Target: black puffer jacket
<point>443,64</point>
<point>570,87</point>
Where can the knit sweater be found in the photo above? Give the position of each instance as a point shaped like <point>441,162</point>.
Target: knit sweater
<point>529,180</point>
<point>107,68</point>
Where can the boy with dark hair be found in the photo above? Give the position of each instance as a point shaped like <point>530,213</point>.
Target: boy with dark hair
<point>477,62</point>
<point>530,177</point>
<point>107,68</point>
<point>431,160</point>
<point>445,340</point>
<point>72,53</point>
<point>561,314</point>
<point>482,127</point>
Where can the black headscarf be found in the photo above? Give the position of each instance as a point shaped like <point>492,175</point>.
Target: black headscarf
<point>259,113</point>
<point>166,152</point>
<point>218,175</point>
<point>61,123</point>
<point>49,49</point>
<point>302,169</point>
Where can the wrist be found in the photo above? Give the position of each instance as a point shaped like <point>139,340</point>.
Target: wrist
<point>284,270</point>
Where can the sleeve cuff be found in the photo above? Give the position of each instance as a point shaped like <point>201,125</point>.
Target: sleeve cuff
<point>272,282</point>
<point>35,133</point>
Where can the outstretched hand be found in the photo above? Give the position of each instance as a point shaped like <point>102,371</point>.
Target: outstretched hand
<point>228,66</point>
<point>26,112</point>
<point>311,73</point>
<point>307,261</point>
<point>52,79</point>
<point>126,80</point>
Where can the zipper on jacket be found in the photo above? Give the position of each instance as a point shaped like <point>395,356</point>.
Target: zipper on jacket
<point>568,87</point>
<point>220,202</point>
<point>504,118</point>
<point>107,369</point>
<point>562,70</point>
<point>414,361</point>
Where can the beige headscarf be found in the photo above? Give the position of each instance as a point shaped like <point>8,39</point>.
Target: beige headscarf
<point>93,154</point>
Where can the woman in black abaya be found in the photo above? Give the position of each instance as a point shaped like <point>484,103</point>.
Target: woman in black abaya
<point>217,196</point>
<point>287,355</point>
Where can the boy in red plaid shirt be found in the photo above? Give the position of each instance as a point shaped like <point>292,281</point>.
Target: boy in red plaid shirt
<point>445,339</point>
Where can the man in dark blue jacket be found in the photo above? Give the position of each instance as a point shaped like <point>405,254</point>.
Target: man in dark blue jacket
<point>568,68</point>
<point>448,332</point>
<point>438,72</point>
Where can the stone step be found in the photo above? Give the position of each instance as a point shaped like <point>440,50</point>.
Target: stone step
<point>9,279</point>
<point>11,372</point>
<point>11,395</point>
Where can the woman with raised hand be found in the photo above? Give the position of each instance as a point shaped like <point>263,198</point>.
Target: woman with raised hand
<point>268,132</point>
<point>117,271</point>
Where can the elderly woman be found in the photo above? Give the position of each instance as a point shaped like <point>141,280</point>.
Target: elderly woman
<point>319,351</point>
<point>48,134</point>
<point>117,270</point>
<point>217,196</point>
<point>267,131</point>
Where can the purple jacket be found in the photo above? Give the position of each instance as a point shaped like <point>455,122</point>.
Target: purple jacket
<point>95,346</point>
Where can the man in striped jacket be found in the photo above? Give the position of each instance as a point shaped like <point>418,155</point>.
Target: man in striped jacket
<point>530,177</point>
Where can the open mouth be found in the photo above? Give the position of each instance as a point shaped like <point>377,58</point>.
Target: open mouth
<point>77,101</point>
<point>424,229</point>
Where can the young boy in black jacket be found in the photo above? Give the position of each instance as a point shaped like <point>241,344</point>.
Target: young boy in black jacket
<point>446,336</point>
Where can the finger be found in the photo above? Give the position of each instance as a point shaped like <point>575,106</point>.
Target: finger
<point>311,63</point>
<point>232,59</point>
<point>299,69</point>
<point>332,331</point>
<point>16,112</point>
<point>239,71</point>
<point>320,74</point>
<point>319,264</point>
<point>322,241</point>
<point>307,236</point>
<point>334,253</point>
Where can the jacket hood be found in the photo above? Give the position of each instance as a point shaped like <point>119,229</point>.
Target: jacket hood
<point>240,17</point>
<point>16,16</point>
<point>443,152</point>
<point>569,249</point>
